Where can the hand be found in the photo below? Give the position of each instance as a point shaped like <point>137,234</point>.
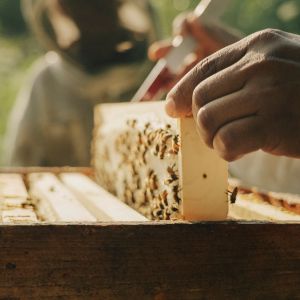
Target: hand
<point>246,96</point>
<point>187,24</point>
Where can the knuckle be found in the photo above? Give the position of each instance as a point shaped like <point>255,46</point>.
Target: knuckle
<point>206,67</point>
<point>226,142</point>
<point>179,93</point>
<point>205,120</point>
<point>264,35</point>
<point>199,96</point>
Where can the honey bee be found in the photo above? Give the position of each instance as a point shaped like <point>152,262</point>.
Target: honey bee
<point>156,150</point>
<point>147,125</point>
<point>171,169</point>
<point>175,144</point>
<point>163,152</point>
<point>153,182</point>
<point>233,195</point>
<point>140,138</point>
<point>171,179</point>
<point>176,191</point>
<point>165,138</point>
<point>174,208</point>
<point>163,197</point>
<point>144,156</point>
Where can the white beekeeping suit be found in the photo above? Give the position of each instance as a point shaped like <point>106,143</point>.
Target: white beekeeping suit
<point>52,121</point>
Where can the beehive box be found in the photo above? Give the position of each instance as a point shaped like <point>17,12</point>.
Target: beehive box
<point>98,251</point>
<point>147,260</point>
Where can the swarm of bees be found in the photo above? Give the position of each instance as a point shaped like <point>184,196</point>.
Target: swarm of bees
<point>157,196</point>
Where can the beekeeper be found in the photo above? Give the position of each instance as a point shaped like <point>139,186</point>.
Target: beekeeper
<point>97,53</point>
<point>245,99</point>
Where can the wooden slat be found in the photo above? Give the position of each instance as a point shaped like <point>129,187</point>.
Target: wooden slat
<point>151,261</point>
<point>203,176</point>
<point>101,203</point>
<point>12,186</point>
<point>15,207</point>
<point>18,215</point>
<point>55,170</point>
<point>248,208</point>
<point>54,201</point>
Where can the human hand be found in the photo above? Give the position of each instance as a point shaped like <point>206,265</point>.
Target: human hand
<point>246,96</point>
<point>187,24</point>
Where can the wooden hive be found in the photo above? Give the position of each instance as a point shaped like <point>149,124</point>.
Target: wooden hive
<point>77,241</point>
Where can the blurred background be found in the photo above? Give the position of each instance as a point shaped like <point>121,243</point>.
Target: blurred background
<point>19,49</point>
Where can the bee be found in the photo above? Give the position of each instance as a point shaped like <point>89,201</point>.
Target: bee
<point>165,138</point>
<point>156,150</point>
<point>174,209</point>
<point>153,182</point>
<point>161,206</point>
<point>176,191</point>
<point>158,213</point>
<point>233,195</point>
<point>150,138</point>
<point>171,169</point>
<point>147,125</point>
<point>144,156</point>
<point>173,177</point>
<point>163,197</point>
<point>163,152</point>
<point>140,138</point>
<point>175,144</point>
<point>146,199</point>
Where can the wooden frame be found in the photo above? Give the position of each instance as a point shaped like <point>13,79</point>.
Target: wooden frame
<point>150,260</point>
<point>211,260</point>
<point>203,174</point>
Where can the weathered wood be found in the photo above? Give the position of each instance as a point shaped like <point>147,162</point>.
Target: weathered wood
<point>12,186</point>
<point>99,202</point>
<point>15,206</point>
<point>251,208</point>
<point>152,261</point>
<point>55,170</point>
<point>54,201</point>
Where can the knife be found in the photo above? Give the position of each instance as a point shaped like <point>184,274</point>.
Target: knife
<point>207,11</point>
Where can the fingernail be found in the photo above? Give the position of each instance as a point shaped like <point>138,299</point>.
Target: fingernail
<point>170,107</point>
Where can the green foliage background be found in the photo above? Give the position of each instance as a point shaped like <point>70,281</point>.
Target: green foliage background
<point>18,49</point>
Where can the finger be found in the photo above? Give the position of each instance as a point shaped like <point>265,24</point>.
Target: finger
<point>198,31</point>
<point>225,82</point>
<point>179,100</point>
<point>159,49</point>
<point>239,138</point>
<point>216,114</point>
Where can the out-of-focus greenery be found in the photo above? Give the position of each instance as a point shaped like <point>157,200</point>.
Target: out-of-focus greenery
<point>17,52</point>
<point>253,15</point>
<point>246,15</point>
<point>11,21</point>
<point>18,49</point>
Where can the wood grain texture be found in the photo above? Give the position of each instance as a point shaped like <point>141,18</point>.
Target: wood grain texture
<point>151,261</point>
